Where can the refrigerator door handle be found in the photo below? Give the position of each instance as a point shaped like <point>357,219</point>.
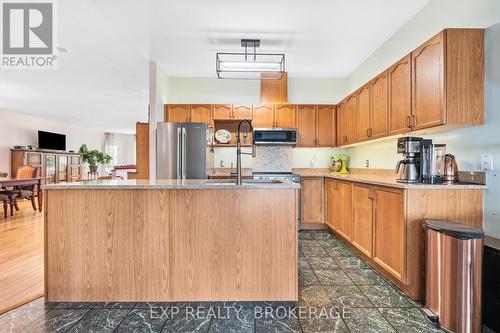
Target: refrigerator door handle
<point>183,153</point>
<point>179,139</point>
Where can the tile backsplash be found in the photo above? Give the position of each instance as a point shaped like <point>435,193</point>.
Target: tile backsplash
<point>273,158</point>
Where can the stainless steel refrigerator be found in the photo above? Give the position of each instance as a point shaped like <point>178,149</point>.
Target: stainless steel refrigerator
<point>183,151</point>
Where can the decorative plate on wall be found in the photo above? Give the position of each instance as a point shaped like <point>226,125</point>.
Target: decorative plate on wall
<point>223,136</point>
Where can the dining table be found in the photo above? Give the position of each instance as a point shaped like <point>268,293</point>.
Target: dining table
<point>14,182</point>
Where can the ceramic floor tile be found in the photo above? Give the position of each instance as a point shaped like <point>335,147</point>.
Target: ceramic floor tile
<point>333,277</point>
<point>409,320</point>
<point>364,277</point>
<point>13,321</point>
<point>278,325</point>
<point>305,235</point>
<point>339,251</point>
<point>313,251</point>
<point>71,305</point>
<point>322,263</point>
<point>367,320</point>
<point>115,305</point>
<point>323,320</point>
<point>347,296</point>
<point>385,296</point>
<point>100,320</point>
<point>141,321</point>
<point>308,242</point>
<point>184,322</point>
<point>241,322</point>
<point>350,262</point>
<point>307,277</point>
<point>313,296</point>
<point>56,320</point>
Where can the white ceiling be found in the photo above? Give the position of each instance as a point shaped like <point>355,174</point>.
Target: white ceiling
<point>102,79</point>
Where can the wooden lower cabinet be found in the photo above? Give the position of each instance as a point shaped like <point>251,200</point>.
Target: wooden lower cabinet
<point>331,203</point>
<point>362,218</point>
<point>311,201</point>
<point>344,227</point>
<point>390,231</point>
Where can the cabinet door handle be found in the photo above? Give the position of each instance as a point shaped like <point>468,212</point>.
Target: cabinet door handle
<point>368,133</point>
<point>408,121</point>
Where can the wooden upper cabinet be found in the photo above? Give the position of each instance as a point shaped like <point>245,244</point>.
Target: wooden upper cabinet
<point>306,125</point>
<point>201,113</point>
<point>379,106</point>
<point>312,200</point>
<point>241,112</point>
<point>362,218</point>
<point>326,126</point>
<point>400,96</point>
<point>222,111</point>
<point>352,106</point>
<point>285,116</point>
<point>263,116</point>
<point>177,112</point>
<point>342,122</point>
<point>390,231</point>
<point>344,227</point>
<point>331,203</point>
<point>428,83</point>
<point>363,114</point>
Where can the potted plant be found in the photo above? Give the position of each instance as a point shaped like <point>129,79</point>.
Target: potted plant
<point>94,158</point>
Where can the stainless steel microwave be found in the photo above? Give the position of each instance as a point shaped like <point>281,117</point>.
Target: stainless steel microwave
<point>275,136</point>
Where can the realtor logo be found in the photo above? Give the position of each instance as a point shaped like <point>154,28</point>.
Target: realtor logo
<point>28,34</point>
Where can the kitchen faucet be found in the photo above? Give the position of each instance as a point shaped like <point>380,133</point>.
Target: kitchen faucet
<point>238,151</point>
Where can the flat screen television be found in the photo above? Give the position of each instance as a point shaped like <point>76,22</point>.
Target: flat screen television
<point>51,141</point>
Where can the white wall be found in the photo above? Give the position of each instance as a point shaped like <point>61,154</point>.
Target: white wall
<point>213,90</point>
<point>466,143</point>
<point>434,17</point>
<point>19,129</point>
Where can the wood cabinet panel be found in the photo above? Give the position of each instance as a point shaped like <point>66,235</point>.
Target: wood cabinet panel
<point>285,116</point>
<point>362,218</point>
<point>363,114</point>
<point>141,152</point>
<point>241,112</point>
<point>352,106</point>
<point>177,112</point>
<point>400,96</point>
<point>379,109</point>
<point>344,228</point>
<point>274,91</point>
<point>325,129</point>
<point>428,83</point>
<point>306,124</point>
<point>390,231</point>
<point>201,113</point>
<point>222,111</point>
<point>342,122</point>
<point>263,116</point>
<point>312,200</point>
<point>331,204</point>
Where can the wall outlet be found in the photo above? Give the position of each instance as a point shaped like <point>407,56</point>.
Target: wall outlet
<point>487,162</point>
<point>367,163</point>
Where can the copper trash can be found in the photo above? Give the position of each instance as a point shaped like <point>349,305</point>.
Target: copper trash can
<point>453,275</point>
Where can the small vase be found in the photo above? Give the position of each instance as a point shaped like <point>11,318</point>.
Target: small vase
<point>93,168</point>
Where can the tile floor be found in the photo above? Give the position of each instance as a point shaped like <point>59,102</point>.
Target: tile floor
<point>342,293</point>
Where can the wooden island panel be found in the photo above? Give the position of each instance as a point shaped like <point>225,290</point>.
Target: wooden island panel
<point>171,245</point>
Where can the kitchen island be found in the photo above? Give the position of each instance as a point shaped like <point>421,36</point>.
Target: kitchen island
<point>171,240</point>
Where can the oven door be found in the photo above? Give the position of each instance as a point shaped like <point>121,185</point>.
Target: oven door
<point>275,136</point>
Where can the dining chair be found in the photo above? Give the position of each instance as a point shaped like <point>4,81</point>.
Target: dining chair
<point>24,192</point>
<point>6,201</point>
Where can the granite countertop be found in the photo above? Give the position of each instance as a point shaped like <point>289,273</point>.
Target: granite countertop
<point>384,180</point>
<point>144,184</point>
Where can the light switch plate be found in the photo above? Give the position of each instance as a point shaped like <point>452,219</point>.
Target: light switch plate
<point>487,162</point>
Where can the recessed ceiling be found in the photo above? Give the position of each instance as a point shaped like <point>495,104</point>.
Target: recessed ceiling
<point>102,78</point>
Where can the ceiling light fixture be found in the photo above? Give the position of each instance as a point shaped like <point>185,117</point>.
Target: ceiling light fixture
<point>250,65</point>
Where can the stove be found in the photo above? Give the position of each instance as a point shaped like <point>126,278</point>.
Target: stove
<point>276,176</point>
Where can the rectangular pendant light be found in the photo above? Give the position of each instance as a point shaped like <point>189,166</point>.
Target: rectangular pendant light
<point>250,65</point>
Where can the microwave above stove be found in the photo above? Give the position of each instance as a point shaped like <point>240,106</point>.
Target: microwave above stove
<point>275,136</point>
